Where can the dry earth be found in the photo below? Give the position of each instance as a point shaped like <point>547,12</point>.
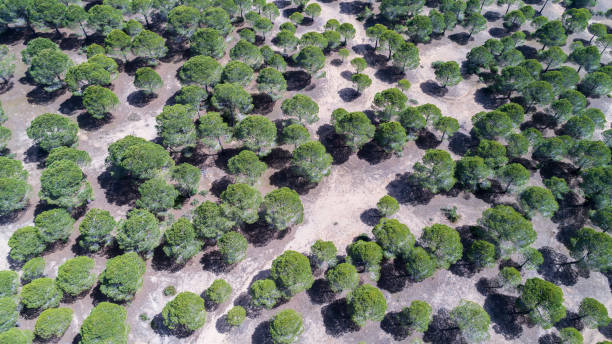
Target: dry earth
<point>338,209</point>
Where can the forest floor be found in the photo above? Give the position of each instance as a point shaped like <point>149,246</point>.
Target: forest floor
<point>338,209</point>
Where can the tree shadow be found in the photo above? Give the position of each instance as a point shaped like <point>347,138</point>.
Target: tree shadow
<point>347,75</point>
<point>460,38</point>
<point>348,94</point>
<point>389,75</point>
<point>7,86</point>
<point>259,234</point>
<point>572,319</point>
<point>334,144</point>
<point>549,338</point>
<point>392,276</point>
<point>223,157</point>
<point>140,98</point>
<point>261,335</point>
<point>337,320</point>
<point>38,96</point>
<point>370,217</point>
<point>461,143</point>
<point>369,54</point>
<point>392,325</point>
<point>352,7</point>
<point>287,177</point>
<point>219,185</point>
<point>297,80</point>
<point>487,98</point>
<point>263,104</point>
<point>427,140</point>
<point>278,158</point>
<point>406,190</point>
<point>433,89</point>
<point>528,52</point>
<point>132,66</point>
<point>498,32</point>
<point>606,331</point>
<point>492,16</point>
<point>119,191</point>
<point>320,292</point>
<point>89,123</point>
<point>501,310</point>
<point>222,326</point>
<point>70,105</point>
<point>442,329</point>
<point>213,261</point>
<point>372,153</point>
<point>552,271</point>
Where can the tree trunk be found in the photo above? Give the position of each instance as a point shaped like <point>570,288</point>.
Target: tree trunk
<point>83,29</point>
<point>542,9</point>
<point>543,47</point>
<point>508,8</point>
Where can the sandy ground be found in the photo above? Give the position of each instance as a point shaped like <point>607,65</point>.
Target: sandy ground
<point>336,210</point>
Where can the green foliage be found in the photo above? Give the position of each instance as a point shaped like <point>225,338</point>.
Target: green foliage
<point>551,34</point>
<point>283,208</point>
<point>264,293</point>
<point>291,273</point>
<point>191,95</point>
<point>538,199</point>
<point>271,82</point>
<point>393,237</point>
<point>443,244</point>
<point>342,277</point>
<point>302,107</point>
<point>105,323</point>
<point>122,277</point>
<point>241,202</point>
<point>32,269</point>
<point>184,20</point>
<point>419,264</point>
<point>117,42</point>
<point>181,242</point>
<point>570,335</point>
<point>355,127</point>
<point>365,303</point>
<point>96,229</point>
<point>591,249</point>
<point>169,290</point>
<point>508,228</point>
<point>387,206</point>
<point>295,134</point>
<point>286,327</point>
<point>219,291</point>
<point>235,316</point>
<point>55,224</point>
<point>216,18</point>
<point>186,178</point>
<point>139,232</point>
<point>48,68</point>
<point>201,70</point>
<point>361,81</point>
<point>52,130</point>
<point>417,317</point>
<point>237,72</point>
<point>9,282</point>
<point>185,312</point>
<point>79,157</point>
<point>35,46</point>
<point>104,18</point>
<point>144,160</point>
<point>156,195</point>
<point>75,275</point>
<point>87,74</point>
<point>323,252</point>
<point>248,53</point>
<point>233,99</point>
<point>593,314</point>
<point>544,302</point>
<point>482,254</point>
<point>9,313</point>
<point>149,45</point>
<point>310,59</point>
<point>492,125</point>
<point>447,73</point>
<point>389,102</point>
<point>367,254</point>
<point>359,63</point>
<point>212,130</point>
<point>246,167</point>
<point>472,320</point>
<point>602,217</point>
<point>17,336</point>
<point>596,185</point>
<point>175,126</point>
<point>40,294</point>
<point>207,42</point>
<point>13,185</point>
<point>436,171</point>
<point>25,243</point>
<point>53,323</point>
<point>63,184</point>
<point>210,221</point>
<point>557,186</point>
<point>147,79</point>
<point>473,173</point>
<point>233,247</point>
